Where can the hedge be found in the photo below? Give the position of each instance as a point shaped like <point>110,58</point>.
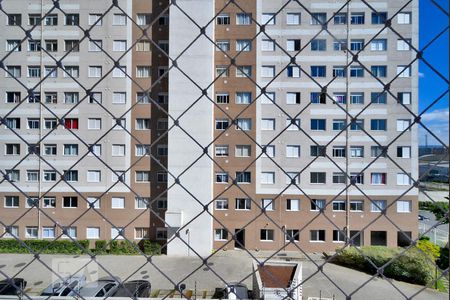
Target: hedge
<point>70,247</point>
<point>412,266</point>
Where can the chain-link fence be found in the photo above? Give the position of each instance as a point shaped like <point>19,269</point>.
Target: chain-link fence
<point>274,147</point>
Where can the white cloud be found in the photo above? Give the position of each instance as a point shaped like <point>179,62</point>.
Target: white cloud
<point>437,115</point>
<point>437,121</point>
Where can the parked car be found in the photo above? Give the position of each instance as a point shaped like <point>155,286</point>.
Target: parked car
<point>15,286</point>
<point>65,286</point>
<point>234,290</point>
<point>134,288</point>
<point>423,218</point>
<point>100,288</point>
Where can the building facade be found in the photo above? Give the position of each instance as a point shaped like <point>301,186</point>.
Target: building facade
<point>271,104</point>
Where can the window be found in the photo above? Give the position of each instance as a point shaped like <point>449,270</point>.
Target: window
<point>223,19</point>
<point>33,123</point>
<point>94,123</point>
<point>142,176</point>
<point>318,71</point>
<point>403,179</point>
<point>31,232</point>
<point>223,45</point>
<point>243,71</point>
<point>339,71</point>
<point>340,19</point>
<point>50,149</point>
<point>377,151</point>
<point>119,72</point>
<point>70,202</point>
<point>118,150</point>
<point>266,235</point>
<point>71,175</point>
<point>270,150</point>
<point>404,98</point>
<point>142,124</point>
<point>379,17</point>
<point>48,232</point>
<point>292,151</point>
<point>12,175</point>
<point>51,71</point>
<point>49,175</point>
<point>357,98</point>
<point>339,124</point>
<point>340,45</point>
<point>293,18</point>
<point>243,177</point>
<point>292,178</point>
<point>220,234</point>
<point>357,72</point>
<point>356,205</point>
<point>317,150</point>
<point>268,71</point>
<point>404,151</point>
<point>293,97</point>
<point>161,203</point>
<point>119,19</point>
<point>221,204</point>
<point>357,18</point>
<point>164,45</point>
<point>141,233</point>
<point>404,206</point>
<point>223,71</point>
<point>292,204</point>
<point>318,124</point>
<point>243,19</point>
<point>34,46</point>
<point>318,98</point>
<point>72,45</point>
<point>13,45</point>
<point>12,123</point>
<point>338,236</point>
<point>243,45</point>
<point>141,202</point>
<point>267,204</point>
<point>71,232</point>
<point>268,98</point>
<point>403,124</point>
<point>378,124</point>
<point>71,71</point>
<point>404,18</point>
<point>162,124</point>
<point>357,125</point>
<point>404,71</point>
<point>93,176</point>
<point>318,45</point>
<point>72,19</point>
<point>95,97</point>
<point>243,151</point>
<point>51,45</point>
<point>338,177</point>
<point>356,151</point>
<point>318,177</point>
<point>118,176</point>
<point>293,45</point>
<point>32,175</point>
<point>378,98</point>
<point>267,124</point>
<point>143,19</point>
<point>119,45</point>
<point>14,19</point>
<point>339,205</point>
<point>95,71</point>
<point>243,204</point>
<point>267,177</point>
<point>12,201</point>
<point>292,235</point>
<point>119,98</point>
<point>11,231</point>
<point>378,45</point>
<point>51,20</point>
<point>117,202</point>
<point>14,71</point>
<point>293,71</point>
<point>244,124</point>
<point>70,149</point>
<point>222,124</point>
<point>378,205</point>
<point>268,19</point>
<point>318,18</point>
<point>267,45</point>
<point>34,71</point>
<point>378,178</point>
<point>221,177</point>
<point>161,177</point>
<point>71,97</point>
<point>95,19</point>
<point>356,45</point>
<point>143,46</point>
<point>293,124</point>
<point>49,202</point>
<point>317,235</point>
<point>221,150</point>
<point>379,71</point>
<point>92,233</point>
<point>243,97</point>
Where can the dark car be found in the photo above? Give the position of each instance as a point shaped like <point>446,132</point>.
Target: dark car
<point>134,288</point>
<point>15,286</point>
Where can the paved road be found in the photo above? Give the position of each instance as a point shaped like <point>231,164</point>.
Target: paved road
<point>230,266</point>
<point>439,235</point>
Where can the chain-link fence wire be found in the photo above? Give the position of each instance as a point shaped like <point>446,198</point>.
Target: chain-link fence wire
<point>352,57</point>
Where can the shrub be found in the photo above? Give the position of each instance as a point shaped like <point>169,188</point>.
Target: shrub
<point>439,209</point>
<point>411,266</point>
<point>123,247</point>
<point>150,248</point>
<point>442,262</point>
<point>100,247</point>
<point>428,248</point>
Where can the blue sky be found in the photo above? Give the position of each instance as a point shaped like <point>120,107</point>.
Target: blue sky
<point>431,86</point>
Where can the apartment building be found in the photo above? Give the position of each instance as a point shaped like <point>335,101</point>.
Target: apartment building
<point>292,112</point>
<point>268,111</point>
<point>84,110</point>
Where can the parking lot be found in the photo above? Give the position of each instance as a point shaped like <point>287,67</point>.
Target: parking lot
<point>164,272</point>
